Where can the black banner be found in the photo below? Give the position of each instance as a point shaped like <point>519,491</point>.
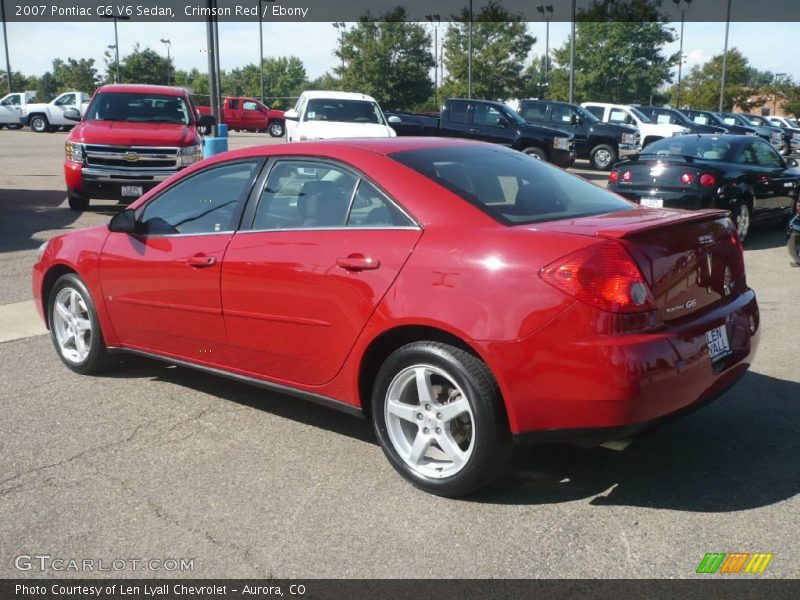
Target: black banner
<point>410,10</point>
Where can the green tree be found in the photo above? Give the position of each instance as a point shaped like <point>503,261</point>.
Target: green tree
<point>388,59</point>
<point>47,88</point>
<point>140,66</point>
<point>500,47</point>
<point>617,59</point>
<point>700,88</point>
<point>19,82</point>
<point>75,75</point>
<point>284,77</point>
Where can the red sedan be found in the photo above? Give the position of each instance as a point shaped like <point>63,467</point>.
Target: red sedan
<point>462,296</point>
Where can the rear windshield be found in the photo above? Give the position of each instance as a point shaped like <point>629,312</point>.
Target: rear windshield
<point>698,146</point>
<point>510,186</point>
<point>138,108</point>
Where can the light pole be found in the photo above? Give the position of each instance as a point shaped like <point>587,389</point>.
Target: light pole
<point>116,40</point>
<point>544,10</point>
<point>5,42</point>
<point>168,44</point>
<point>572,56</point>
<point>435,20</point>
<point>469,54</point>
<point>342,29</point>
<point>683,6</point>
<point>725,58</point>
<point>261,49</point>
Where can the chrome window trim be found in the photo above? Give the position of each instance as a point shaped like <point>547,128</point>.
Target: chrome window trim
<point>340,228</point>
<point>177,235</point>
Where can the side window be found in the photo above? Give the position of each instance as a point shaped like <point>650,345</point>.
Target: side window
<point>486,115</point>
<point>561,114</point>
<point>597,111</point>
<point>372,209</point>
<point>533,112</point>
<point>663,117</point>
<point>766,154</point>
<point>67,100</point>
<point>84,97</point>
<point>235,104</point>
<point>249,106</point>
<point>747,155</point>
<point>618,115</point>
<point>11,101</point>
<point>207,202</point>
<point>458,112</point>
<point>305,194</point>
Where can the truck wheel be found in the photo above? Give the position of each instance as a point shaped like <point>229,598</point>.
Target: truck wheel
<point>603,157</point>
<point>40,124</point>
<point>535,152</point>
<point>276,129</point>
<point>77,201</point>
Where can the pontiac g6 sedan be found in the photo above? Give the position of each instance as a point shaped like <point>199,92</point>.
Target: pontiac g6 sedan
<point>462,296</point>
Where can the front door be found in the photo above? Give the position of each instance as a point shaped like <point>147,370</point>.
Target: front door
<point>773,188</point>
<point>162,286</point>
<point>298,288</point>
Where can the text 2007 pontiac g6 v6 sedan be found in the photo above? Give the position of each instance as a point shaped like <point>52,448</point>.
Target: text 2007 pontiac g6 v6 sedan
<point>460,295</point>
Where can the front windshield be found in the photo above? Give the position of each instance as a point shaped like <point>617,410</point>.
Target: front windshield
<point>138,108</point>
<point>642,117</point>
<point>697,146</point>
<point>513,116</point>
<point>681,118</point>
<point>344,111</point>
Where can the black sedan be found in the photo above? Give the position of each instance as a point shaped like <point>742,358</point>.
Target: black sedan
<point>743,174</point>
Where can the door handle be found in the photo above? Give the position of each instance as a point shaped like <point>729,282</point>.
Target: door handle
<point>358,262</point>
<point>201,260</point>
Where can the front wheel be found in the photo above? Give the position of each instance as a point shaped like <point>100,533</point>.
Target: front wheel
<point>74,327</point>
<point>603,157</point>
<point>276,129</point>
<point>439,418</point>
<point>77,201</point>
<point>535,152</point>
<point>741,214</point>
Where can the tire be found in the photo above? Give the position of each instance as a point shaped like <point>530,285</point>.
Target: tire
<point>535,152</point>
<point>414,434</point>
<point>742,217</point>
<point>74,327</point>
<point>39,124</point>
<point>793,246</point>
<point>603,157</point>
<point>276,129</point>
<point>77,201</point>
<point>786,150</point>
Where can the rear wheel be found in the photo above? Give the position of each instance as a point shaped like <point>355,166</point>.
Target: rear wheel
<point>741,214</point>
<point>603,157</point>
<point>535,152</point>
<point>40,124</point>
<point>74,327</point>
<point>276,129</point>
<point>77,201</point>
<point>439,418</point>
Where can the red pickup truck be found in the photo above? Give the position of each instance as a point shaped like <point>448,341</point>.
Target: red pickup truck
<point>248,114</point>
<point>131,138</point>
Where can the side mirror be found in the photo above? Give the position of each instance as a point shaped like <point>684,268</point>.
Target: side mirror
<point>206,121</point>
<point>72,114</point>
<point>791,162</point>
<point>124,222</point>
<point>394,120</point>
<point>291,115</point>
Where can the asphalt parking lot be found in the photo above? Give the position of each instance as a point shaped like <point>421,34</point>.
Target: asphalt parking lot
<point>154,461</point>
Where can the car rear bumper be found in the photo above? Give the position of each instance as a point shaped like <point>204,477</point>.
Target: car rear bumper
<point>567,382</point>
<point>690,200</point>
<point>107,183</point>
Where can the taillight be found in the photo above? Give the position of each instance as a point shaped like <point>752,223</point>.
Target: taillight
<point>707,180</point>
<point>603,275</point>
<point>687,178</point>
<point>626,176</point>
<point>613,177</point>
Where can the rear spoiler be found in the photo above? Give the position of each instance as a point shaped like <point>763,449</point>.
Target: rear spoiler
<point>684,157</point>
<point>665,218</point>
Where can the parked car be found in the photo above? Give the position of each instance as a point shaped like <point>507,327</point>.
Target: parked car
<point>602,143</point>
<point>661,114</point>
<point>772,135</point>
<point>743,174</point>
<point>248,114</point>
<point>493,122</point>
<point>791,135</point>
<point>706,117</point>
<point>49,117</point>
<point>11,106</point>
<point>630,115</point>
<point>323,115</point>
<point>131,138</point>
<point>536,306</point>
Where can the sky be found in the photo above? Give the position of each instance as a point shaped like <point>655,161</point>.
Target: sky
<point>33,46</point>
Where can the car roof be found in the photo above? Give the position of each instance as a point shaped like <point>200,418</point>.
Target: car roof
<point>333,95</point>
<point>136,88</point>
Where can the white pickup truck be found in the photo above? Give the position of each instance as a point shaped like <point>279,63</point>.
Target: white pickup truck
<point>48,117</point>
<point>11,106</point>
<point>630,115</point>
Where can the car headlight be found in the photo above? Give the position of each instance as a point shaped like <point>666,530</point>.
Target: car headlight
<point>40,251</point>
<point>74,152</point>
<point>561,143</point>
<point>190,155</point>
<point>628,138</point>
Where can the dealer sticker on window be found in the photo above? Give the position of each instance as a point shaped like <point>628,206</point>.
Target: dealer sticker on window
<point>717,340</point>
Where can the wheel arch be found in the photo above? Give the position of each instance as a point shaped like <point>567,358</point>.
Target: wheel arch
<point>48,281</point>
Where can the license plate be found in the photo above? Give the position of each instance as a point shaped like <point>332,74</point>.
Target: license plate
<point>717,340</point>
<point>652,202</point>
<point>132,190</point>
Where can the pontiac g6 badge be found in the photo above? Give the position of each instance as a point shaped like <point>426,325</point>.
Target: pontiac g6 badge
<point>686,305</point>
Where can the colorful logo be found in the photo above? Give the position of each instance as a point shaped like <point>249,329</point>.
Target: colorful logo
<point>734,562</point>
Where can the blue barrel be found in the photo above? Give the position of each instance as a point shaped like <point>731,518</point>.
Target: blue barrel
<point>222,130</point>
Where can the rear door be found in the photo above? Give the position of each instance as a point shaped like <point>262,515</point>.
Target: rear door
<point>298,287</point>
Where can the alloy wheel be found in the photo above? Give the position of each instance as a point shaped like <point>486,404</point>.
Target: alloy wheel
<point>72,325</point>
<point>743,221</point>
